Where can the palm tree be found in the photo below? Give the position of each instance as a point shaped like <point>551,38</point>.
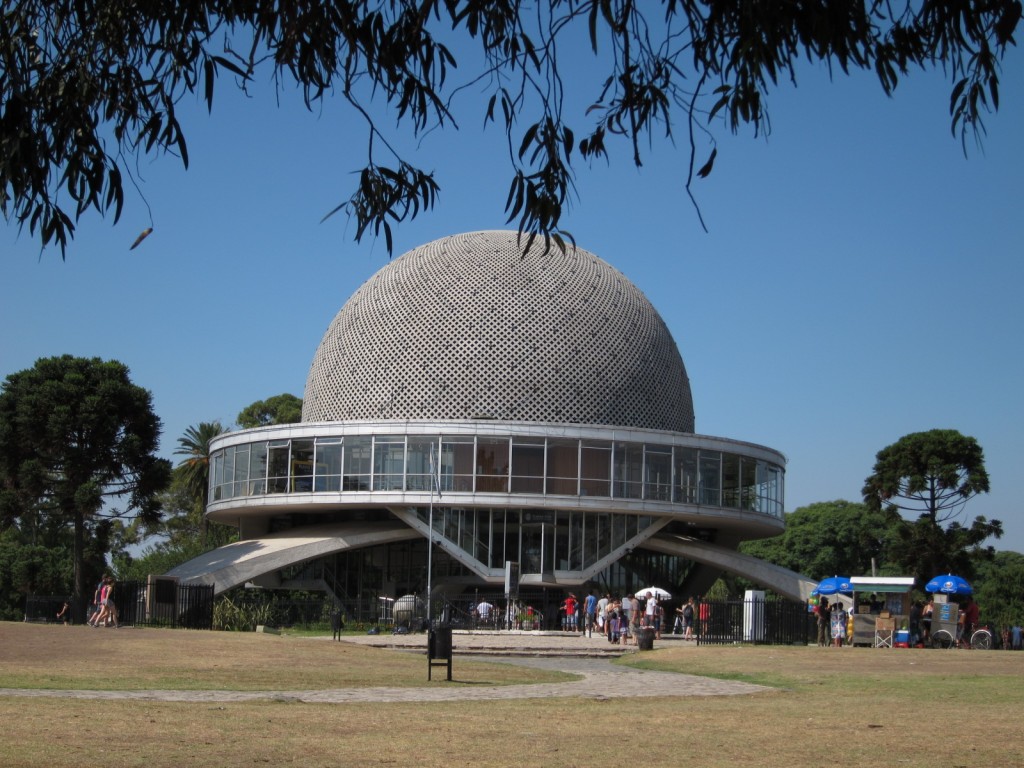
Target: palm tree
<point>194,445</point>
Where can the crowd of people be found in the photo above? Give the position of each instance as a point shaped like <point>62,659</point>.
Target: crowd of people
<point>619,619</point>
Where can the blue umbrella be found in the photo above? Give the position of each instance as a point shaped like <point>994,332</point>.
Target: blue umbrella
<point>833,585</point>
<point>948,584</point>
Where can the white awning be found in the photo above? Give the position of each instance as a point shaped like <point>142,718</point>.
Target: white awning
<point>882,583</point>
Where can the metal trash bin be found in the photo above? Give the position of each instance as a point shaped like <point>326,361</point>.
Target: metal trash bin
<point>645,639</point>
<point>439,649</point>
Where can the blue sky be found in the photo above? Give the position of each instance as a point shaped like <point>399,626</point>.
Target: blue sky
<point>860,280</point>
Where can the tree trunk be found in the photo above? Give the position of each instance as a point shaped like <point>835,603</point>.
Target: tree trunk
<point>78,598</point>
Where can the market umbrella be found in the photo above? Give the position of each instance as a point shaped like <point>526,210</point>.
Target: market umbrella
<point>833,585</point>
<point>948,584</point>
<point>658,592</point>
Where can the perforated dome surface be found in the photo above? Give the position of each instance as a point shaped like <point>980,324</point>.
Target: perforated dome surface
<point>468,327</point>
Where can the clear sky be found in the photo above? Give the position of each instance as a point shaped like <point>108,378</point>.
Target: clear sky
<point>861,278</point>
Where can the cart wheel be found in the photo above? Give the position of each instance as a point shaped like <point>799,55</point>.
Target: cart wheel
<point>943,639</point>
<point>982,640</point>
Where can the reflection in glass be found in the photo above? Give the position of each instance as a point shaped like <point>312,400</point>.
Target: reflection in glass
<point>595,468</point>
<point>277,466</point>
<point>356,463</point>
<point>527,467</point>
<point>686,475</point>
<point>389,463</point>
<point>710,481</point>
<point>492,465</point>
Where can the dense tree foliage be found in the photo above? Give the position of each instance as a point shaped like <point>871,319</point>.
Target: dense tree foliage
<point>279,409</point>
<point>38,560</point>
<point>830,538</point>
<point>75,436</point>
<point>87,88</point>
<point>999,589</point>
<point>843,538</point>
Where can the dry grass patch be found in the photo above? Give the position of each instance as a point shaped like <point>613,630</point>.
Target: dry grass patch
<point>855,707</point>
<point>83,658</point>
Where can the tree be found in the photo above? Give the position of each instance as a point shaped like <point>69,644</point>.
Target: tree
<point>194,445</point>
<point>999,589</point>
<point>193,473</point>
<point>279,409</point>
<point>829,538</point>
<point>76,433</point>
<point>933,475</point>
<point>929,473</point>
<point>89,86</point>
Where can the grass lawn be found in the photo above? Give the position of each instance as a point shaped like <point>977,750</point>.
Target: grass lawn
<point>851,707</point>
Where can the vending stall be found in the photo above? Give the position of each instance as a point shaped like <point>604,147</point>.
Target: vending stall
<point>881,610</point>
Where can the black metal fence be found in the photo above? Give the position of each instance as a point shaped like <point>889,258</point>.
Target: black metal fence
<point>44,608</point>
<point>767,622</point>
<point>164,603</point>
<point>153,603</point>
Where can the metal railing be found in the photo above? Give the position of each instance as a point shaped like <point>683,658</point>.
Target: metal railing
<point>767,622</point>
<point>164,603</point>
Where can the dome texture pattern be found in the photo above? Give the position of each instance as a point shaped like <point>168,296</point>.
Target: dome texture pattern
<point>469,327</point>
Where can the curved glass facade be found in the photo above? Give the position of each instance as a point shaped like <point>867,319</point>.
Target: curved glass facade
<point>498,464</point>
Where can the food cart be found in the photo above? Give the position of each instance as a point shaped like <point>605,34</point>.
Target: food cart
<point>881,609</point>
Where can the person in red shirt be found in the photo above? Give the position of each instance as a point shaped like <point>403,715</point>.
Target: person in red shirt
<point>570,613</point>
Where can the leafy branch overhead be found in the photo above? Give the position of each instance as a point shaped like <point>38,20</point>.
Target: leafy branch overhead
<point>85,88</point>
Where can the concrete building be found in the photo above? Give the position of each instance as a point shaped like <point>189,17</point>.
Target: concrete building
<point>534,407</point>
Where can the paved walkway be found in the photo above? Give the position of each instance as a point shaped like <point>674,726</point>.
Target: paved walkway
<point>600,679</point>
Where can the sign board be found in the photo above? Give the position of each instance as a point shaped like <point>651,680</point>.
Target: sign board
<point>511,578</point>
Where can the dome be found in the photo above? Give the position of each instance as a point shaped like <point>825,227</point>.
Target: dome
<point>468,327</point>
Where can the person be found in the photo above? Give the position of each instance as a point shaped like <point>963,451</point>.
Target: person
<point>614,622</point>
<point>687,616</point>
<point>628,607</point>
<point>914,622</point>
<point>824,615</point>
<point>109,605</point>
<point>97,601</point>
<point>677,625</point>
<point>969,615</point>
<point>569,624</point>
<point>926,621</point>
<point>602,609</point>
<point>838,624</point>
<point>99,619</point>
<point>635,617</point>
<point>611,611</point>
<point>590,606</point>
<point>651,610</point>
<point>65,614</point>
<point>483,611</point>
<point>704,613</point>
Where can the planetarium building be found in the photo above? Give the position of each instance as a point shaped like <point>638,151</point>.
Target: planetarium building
<point>525,413</point>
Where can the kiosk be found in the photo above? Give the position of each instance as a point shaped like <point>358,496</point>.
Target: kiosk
<point>876,622</point>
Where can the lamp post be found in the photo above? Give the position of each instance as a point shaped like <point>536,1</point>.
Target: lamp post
<point>430,534</point>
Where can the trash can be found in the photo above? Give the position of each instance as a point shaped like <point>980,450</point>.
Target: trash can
<point>645,639</point>
<point>439,649</point>
<point>439,643</point>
